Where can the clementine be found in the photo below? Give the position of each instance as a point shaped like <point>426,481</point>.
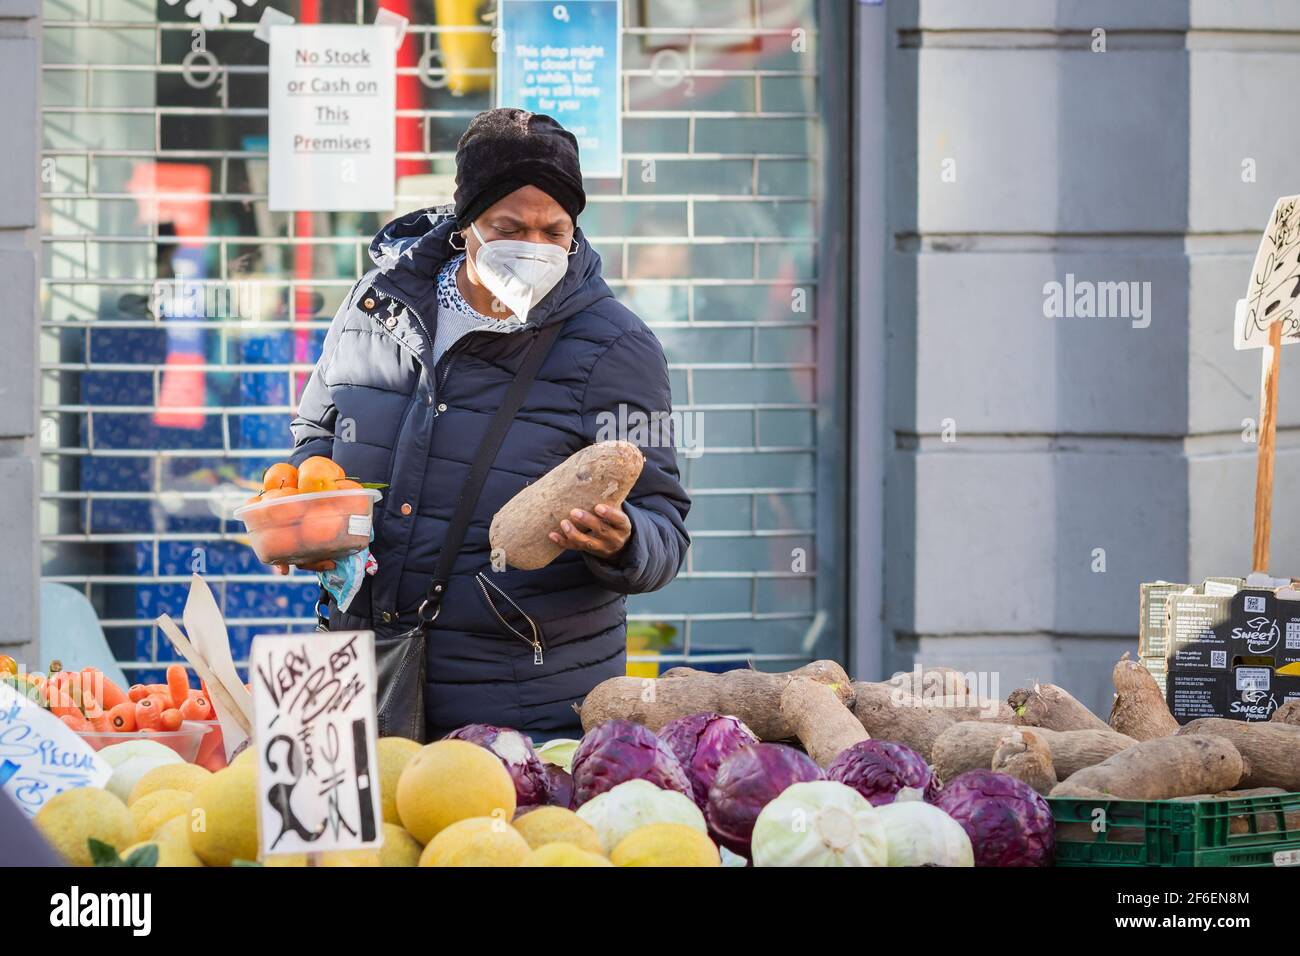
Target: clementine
<point>319,473</point>
<point>322,530</point>
<point>276,545</point>
<point>280,475</point>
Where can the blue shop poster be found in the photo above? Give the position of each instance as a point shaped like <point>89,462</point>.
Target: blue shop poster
<point>564,59</point>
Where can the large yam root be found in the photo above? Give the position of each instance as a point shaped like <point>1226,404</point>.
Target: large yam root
<point>603,473</point>
<point>1139,709</point>
<point>819,719</point>
<point>1271,751</point>
<point>1159,770</point>
<point>753,696</point>
<point>1046,705</point>
<point>1023,754</point>
<point>889,714</point>
<point>970,745</point>
<point>1288,713</point>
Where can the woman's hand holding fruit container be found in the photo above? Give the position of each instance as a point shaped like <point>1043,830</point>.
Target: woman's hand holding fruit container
<point>308,516</point>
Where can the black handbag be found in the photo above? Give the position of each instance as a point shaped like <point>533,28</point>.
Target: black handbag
<point>400,661</point>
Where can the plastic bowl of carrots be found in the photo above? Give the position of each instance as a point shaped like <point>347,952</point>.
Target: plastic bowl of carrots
<point>308,514</point>
<point>101,713</point>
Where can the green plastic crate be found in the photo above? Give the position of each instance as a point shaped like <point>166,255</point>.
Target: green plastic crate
<point>1249,831</point>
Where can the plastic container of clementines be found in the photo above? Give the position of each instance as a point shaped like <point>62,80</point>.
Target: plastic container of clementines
<point>304,528</point>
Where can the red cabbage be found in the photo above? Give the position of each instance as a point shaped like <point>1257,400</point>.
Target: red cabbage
<point>701,742</point>
<point>561,786</point>
<point>747,781</point>
<point>532,785</point>
<point>1008,822</point>
<point>878,769</point>
<point>619,751</point>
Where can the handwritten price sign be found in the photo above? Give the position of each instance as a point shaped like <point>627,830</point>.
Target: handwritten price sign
<point>40,756</point>
<point>315,730</point>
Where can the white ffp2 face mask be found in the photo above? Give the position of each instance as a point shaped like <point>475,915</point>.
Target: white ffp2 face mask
<point>519,273</point>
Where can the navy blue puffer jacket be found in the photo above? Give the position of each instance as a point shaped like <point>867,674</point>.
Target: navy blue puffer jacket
<point>377,404</point>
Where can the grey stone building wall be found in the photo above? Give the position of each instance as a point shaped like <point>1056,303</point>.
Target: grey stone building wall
<point>19,78</point>
<point>1037,468</point>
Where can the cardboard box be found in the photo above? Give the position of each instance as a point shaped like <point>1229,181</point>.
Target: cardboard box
<point>1157,668</point>
<point>1232,655</point>
<point>1152,615</point>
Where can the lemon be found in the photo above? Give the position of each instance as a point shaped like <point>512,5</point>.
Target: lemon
<point>154,809</point>
<point>558,825</point>
<point>72,818</point>
<point>172,776</point>
<point>223,827</point>
<point>665,844</point>
<point>452,780</point>
<point>175,830</point>
<point>478,841</point>
<point>394,753</point>
<point>563,854</point>
<point>400,848</point>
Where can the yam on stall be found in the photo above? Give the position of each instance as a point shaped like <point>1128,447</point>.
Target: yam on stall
<point>753,696</point>
<point>1271,750</point>
<point>1052,707</point>
<point>970,745</point>
<point>819,719</point>
<point>1022,753</point>
<point>1159,769</point>
<point>1139,709</point>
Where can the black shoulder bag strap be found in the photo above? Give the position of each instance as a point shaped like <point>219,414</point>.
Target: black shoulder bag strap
<point>478,472</point>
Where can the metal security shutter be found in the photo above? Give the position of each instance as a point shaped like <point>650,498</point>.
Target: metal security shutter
<point>155,415</point>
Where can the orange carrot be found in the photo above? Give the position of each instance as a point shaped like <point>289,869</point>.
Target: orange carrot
<point>90,705</point>
<point>196,708</point>
<point>76,721</point>
<point>110,695</point>
<point>61,699</point>
<point>101,724</point>
<point>178,683</point>
<point>148,715</point>
<point>171,719</point>
<point>122,717</point>
<point>137,693</point>
<point>161,689</point>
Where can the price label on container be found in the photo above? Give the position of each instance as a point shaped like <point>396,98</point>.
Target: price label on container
<point>314,730</point>
<point>563,59</point>
<point>332,117</point>
<point>40,755</point>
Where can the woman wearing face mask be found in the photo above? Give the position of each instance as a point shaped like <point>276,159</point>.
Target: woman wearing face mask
<point>414,367</point>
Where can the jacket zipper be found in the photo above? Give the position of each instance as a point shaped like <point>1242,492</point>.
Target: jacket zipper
<point>536,642</point>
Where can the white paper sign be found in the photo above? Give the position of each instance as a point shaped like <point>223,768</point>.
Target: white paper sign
<point>1274,282</point>
<point>40,756</point>
<point>315,730</point>
<point>332,117</point>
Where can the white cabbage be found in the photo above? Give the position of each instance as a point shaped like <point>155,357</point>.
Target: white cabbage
<point>634,803</point>
<point>920,834</point>
<point>820,823</point>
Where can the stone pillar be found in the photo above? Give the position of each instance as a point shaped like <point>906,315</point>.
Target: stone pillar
<point>19,250</point>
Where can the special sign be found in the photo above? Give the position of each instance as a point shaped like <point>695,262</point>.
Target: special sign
<point>332,118</point>
<point>40,756</point>
<point>315,730</point>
